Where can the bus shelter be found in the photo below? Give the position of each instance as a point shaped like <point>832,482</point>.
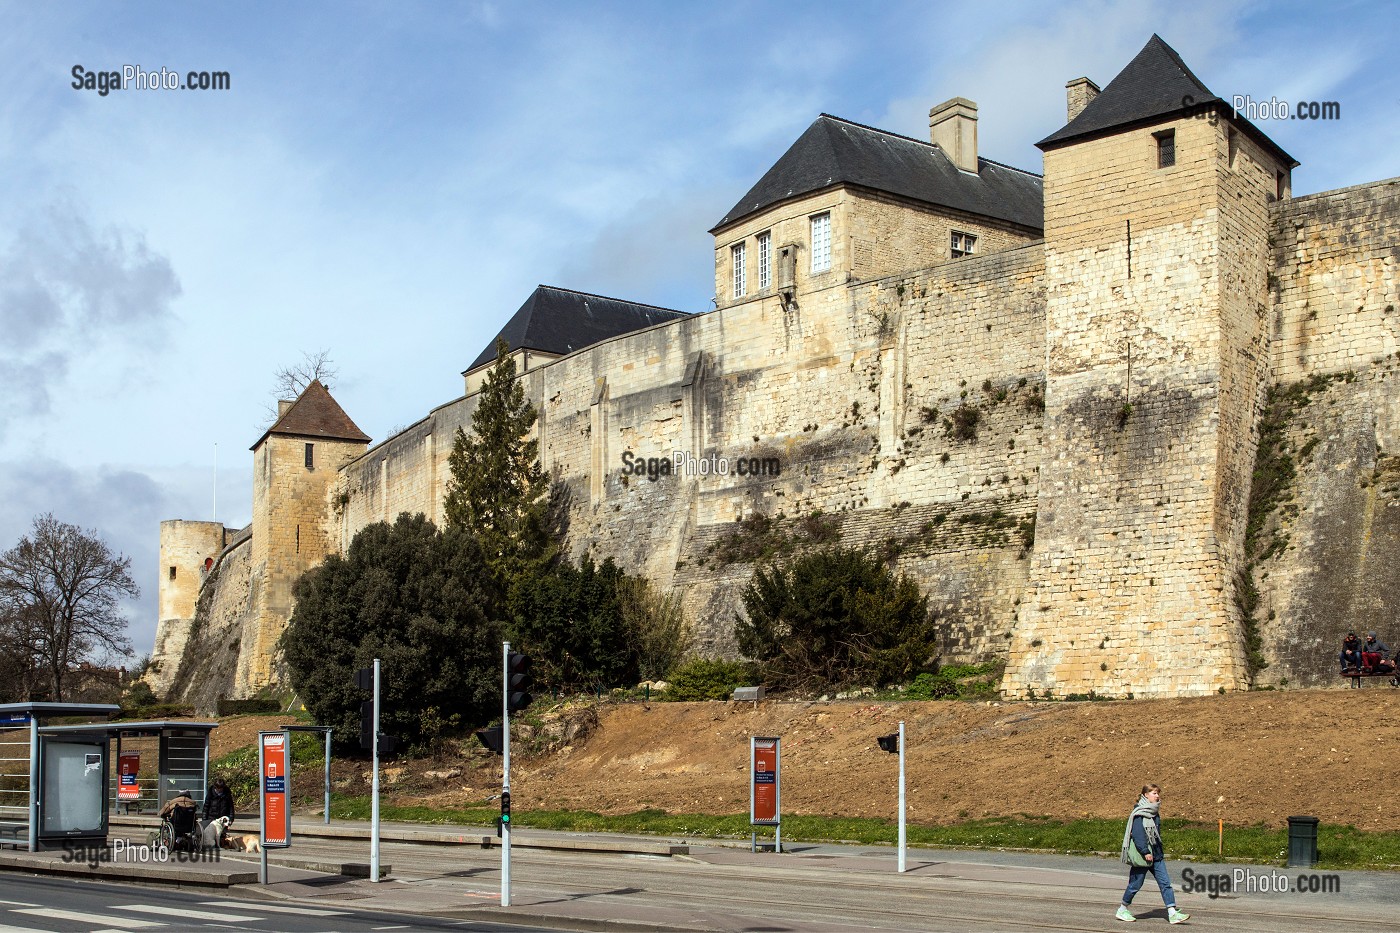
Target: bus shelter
<point>47,785</point>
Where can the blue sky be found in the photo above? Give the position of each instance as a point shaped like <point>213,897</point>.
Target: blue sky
<point>389,182</point>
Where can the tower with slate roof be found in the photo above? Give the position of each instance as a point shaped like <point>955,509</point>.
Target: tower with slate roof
<point>1157,203</point>
<point>295,464</point>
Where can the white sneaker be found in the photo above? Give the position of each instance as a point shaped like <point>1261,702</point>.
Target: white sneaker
<point>1177,916</point>
<point>1125,914</point>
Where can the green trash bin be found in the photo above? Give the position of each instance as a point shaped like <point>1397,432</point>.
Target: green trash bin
<point>1302,842</point>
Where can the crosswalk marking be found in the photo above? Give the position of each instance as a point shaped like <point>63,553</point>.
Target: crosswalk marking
<point>278,909</point>
<point>5,929</point>
<point>182,912</point>
<point>18,904</point>
<point>95,920</point>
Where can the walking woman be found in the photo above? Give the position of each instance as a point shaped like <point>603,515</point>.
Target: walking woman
<point>1142,851</point>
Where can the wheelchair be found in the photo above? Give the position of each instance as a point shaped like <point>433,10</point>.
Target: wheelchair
<point>180,831</point>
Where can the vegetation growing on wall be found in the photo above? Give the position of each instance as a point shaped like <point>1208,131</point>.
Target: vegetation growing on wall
<point>760,537</point>
<point>1271,498</point>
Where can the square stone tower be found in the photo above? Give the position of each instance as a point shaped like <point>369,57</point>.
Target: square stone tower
<point>1157,262</point>
<point>295,464</point>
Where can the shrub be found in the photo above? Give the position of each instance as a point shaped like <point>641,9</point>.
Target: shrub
<point>962,425</point>
<point>709,679</point>
<point>834,617</point>
<point>570,621</point>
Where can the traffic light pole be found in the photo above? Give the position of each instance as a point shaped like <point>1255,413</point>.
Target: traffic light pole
<point>505,771</point>
<point>901,795</point>
<point>374,805</point>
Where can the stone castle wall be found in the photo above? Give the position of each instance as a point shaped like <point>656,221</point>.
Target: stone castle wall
<point>1335,329</point>
<point>184,548</point>
<point>217,658</point>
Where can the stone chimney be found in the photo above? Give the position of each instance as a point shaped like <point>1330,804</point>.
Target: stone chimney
<point>952,127</point>
<point>1078,94</point>
<point>283,404</point>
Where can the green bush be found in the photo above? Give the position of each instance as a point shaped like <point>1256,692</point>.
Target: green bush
<point>709,679</point>
<point>836,617</point>
<point>957,682</point>
<point>570,621</point>
<point>420,600</point>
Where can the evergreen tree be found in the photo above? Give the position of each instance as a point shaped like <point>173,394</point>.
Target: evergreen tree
<point>496,490</point>
<point>421,601</point>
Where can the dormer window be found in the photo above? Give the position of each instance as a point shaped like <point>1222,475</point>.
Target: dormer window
<point>1166,148</point>
<point>736,254</point>
<point>964,244</point>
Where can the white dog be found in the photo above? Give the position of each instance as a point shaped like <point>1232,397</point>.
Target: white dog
<point>211,836</point>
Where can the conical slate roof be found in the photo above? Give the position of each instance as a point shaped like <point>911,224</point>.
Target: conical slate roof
<point>834,151</point>
<point>1155,85</point>
<point>558,320</point>
<point>315,414</point>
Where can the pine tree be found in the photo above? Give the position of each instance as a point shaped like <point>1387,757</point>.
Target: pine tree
<point>496,489</point>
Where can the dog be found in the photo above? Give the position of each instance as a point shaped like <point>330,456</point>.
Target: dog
<point>211,836</point>
<point>245,843</point>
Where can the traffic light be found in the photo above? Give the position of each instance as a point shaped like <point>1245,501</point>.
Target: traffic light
<point>364,678</point>
<point>517,680</point>
<point>492,738</point>
<point>890,743</point>
<point>505,809</point>
<point>367,725</point>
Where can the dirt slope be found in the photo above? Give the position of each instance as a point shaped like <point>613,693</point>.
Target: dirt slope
<point>1246,758</point>
<point>1253,757</point>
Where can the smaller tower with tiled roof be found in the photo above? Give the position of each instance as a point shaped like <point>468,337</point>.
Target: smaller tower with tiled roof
<point>295,467</point>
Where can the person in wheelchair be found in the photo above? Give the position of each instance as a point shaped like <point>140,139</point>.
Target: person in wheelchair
<point>178,830</point>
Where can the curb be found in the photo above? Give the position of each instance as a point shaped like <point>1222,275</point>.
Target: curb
<point>127,871</point>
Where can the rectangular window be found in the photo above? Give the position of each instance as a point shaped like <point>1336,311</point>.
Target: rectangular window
<point>741,284</point>
<point>1280,184</point>
<point>765,260</point>
<point>821,242</point>
<point>310,458</point>
<point>172,573</point>
<point>1166,148</point>
<point>964,244</point>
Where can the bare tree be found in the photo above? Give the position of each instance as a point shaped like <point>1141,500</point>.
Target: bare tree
<point>290,381</point>
<point>59,591</point>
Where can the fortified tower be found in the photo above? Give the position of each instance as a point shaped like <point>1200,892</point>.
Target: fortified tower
<point>1157,260</point>
<point>187,549</point>
<point>295,464</point>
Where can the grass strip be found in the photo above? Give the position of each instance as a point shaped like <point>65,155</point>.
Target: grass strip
<point>1339,847</point>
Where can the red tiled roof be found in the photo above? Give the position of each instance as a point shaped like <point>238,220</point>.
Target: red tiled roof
<point>315,414</point>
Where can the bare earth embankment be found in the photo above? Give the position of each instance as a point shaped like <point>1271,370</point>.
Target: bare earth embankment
<point>1247,758</point>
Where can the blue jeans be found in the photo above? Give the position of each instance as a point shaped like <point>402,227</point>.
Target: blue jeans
<point>1136,876</point>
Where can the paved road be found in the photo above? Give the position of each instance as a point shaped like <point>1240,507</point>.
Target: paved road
<point>829,888</point>
<point>48,905</point>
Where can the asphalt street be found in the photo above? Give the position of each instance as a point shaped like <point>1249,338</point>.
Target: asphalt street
<point>49,905</point>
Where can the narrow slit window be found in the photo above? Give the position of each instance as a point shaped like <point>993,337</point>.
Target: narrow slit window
<point>1166,148</point>
<point>310,456</point>
<point>765,260</point>
<point>741,283</point>
<point>172,573</point>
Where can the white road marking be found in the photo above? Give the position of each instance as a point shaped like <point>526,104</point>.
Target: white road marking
<point>19,904</point>
<point>5,929</point>
<point>277,909</point>
<point>96,920</point>
<point>182,912</point>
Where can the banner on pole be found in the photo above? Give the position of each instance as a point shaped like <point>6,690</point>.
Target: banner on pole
<point>276,789</point>
<point>128,765</point>
<point>765,792</point>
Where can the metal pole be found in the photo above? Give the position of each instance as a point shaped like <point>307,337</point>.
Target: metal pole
<point>33,782</point>
<point>327,811</point>
<point>262,809</point>
<point>901,795</point>
<point>505,770</point>
<point>216,482</point>
<point>374,806</point>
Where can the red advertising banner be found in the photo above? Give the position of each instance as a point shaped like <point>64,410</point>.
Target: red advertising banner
<point>276,813</point>
<point>128,765</point>
<point>764,789</point>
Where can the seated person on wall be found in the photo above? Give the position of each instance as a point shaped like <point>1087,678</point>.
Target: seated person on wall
<point>1373,655</point>
<point>1351,652</point>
